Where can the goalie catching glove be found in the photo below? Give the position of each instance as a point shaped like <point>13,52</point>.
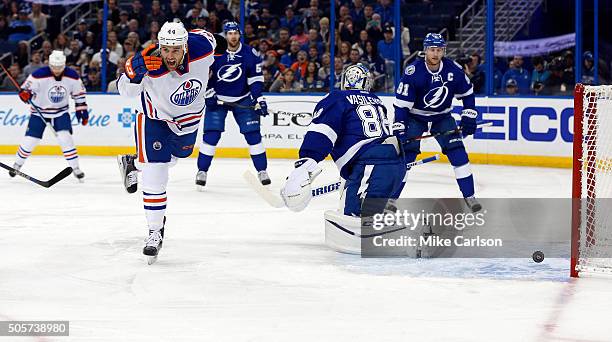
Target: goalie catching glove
<point>139,64</point>
<point>297,191</point>
<point>468,122</point>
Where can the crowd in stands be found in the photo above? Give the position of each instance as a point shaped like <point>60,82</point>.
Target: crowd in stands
<point>292,36</point>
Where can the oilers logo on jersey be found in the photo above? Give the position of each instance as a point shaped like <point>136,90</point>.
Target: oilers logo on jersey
<point>229,73</point>
<point>186,93</point>
<point>57,93</point>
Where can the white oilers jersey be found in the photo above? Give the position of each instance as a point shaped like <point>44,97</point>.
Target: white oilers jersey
<point>428,93</point>
<point>51,95</point>
<point>176,97</point>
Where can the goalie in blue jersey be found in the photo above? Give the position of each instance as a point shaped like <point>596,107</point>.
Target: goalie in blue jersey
<point>353,126</point>
<point>423,102</point>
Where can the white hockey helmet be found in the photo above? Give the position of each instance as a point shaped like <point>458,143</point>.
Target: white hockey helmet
<point>57,59</point>
<point>357,77</point>
<point>173,34</point>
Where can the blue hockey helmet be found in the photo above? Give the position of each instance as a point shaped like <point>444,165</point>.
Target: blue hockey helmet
<point>231,26</point>
<point>433,40</point>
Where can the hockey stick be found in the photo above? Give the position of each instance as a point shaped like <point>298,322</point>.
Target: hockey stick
<point>277,202</point>
<point>255,107</point>
<point>452,131</point>
<point>29,101</point>
<point>63,174</point>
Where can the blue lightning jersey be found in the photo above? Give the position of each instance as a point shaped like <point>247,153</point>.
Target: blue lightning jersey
<point>430,94</point>
<point>345,124</point>
<point>235,75</point>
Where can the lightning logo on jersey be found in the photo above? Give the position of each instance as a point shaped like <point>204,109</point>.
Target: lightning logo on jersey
<point>436,96</point>
<point>186,93</point>
<point>229,73</point>
<point>236,75</point>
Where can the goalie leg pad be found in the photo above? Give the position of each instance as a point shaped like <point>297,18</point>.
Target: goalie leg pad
<point>342,232</point>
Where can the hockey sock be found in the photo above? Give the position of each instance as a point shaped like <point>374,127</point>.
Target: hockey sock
<point>207,150</point>
<point>463,172</point>
<point>25,149</point>
<point>257,150</point>
<point>154,181</point>
<point>67,144</point>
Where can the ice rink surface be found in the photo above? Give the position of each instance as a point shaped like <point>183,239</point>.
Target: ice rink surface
<point>234,269</point>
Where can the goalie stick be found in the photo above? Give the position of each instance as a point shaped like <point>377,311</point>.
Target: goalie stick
<point>47,184</point>
<point>276,201</point>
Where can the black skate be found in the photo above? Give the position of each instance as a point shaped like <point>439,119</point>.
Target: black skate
<point>128,172</point>
<point>263,177</point>
<point>80,175</point>
<point>16,167</point>
<point>154,244</point>
<point>200,180</point>
<point>473,204</point>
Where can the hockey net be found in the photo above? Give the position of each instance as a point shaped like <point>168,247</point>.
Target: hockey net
<point>592,180</point>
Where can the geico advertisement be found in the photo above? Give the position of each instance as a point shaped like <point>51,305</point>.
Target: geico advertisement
<point>529,126</point>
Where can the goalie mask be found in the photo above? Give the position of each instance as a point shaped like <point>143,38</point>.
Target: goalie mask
<point>356,77</point>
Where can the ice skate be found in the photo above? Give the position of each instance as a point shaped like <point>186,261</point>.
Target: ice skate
<point>80,175</point>
<point>153,244</point>
<point>473,204</point>
<point>263,177</point>
<point>200,180</point>
<point>128,172</point>
<point>16,167</point>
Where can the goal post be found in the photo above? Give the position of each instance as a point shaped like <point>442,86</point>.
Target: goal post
<point>591,245</point>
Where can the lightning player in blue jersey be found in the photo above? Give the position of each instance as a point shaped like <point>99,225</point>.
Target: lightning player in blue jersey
<point>424,101</point>
<point>237,82</point>
<point>352,125</point>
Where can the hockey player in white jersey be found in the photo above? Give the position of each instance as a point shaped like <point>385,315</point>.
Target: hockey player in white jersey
<point>47,91</point>
<point>170,80</point>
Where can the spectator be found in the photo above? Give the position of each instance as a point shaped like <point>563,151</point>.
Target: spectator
<point>22,55</point>
<point>214,24</point>
<point>46,49</point>
<point>361,43</point>
<point>313,39</point>
<point>61,43</point>
<point>135,39</point>
<point>324,31</point>
<point>511,87</point>
<point>153,31</point>
<point>111,56</point>
<point>200,7</point>
<point>137,12</point>
<point>558,83</point>
<point>249,34</point>
<point>75,52</point>
<point>35,64</point>
<point>90,47</point>
<point>539,75</point>
<point>289,58</point>
<point>273,65</point>
<point>114,44</point>
<point>128,48</point>
<point>338,68</point>
<point>343,13</point>
<point>38,18</point>
<point>358,15</point>
<point>376,63</point>
<point>223,13</point>
<point>324,70</point>
<point>273,30</point>
<point>299,35</point>
<point>175,11</point>
<point>133,27</point>
<point>22,28</point>
<point>313,54</point>
<point>368,12</point>
<point>92,80</point>
<point>475,73</point>
<point>81,31</point>
<point>348,32</point>
<point>374,28</point>
<point>113,11</point>
<point>519,74</point>
<point>311,81</point>
<point>4,29</point>
<point>15,71</point>
<point>300,64</point>
<point>386,11</point>
<point>345,51</point>
<point>122,28</point>
<point>588,69</point>
<point>97,27</point>
<point>312,15</point>
<point>156,14</point>
<point>284,42</point>
<point>386,48</point>
<point>405,40</point>
<point>191,21</point>
<point>354,57</point>
<point>264,46</point>
<point>290,21</point>
<point>285,83</point>
<point>112,84</point>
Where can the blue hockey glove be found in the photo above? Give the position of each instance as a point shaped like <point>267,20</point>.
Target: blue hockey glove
<point>468,122</point>
<point>263,106</point>
<point>211,100</point>
<point>82,114</point>
<point>138,65</point>
<point>399,130</point>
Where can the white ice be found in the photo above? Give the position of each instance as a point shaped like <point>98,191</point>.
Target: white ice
<point>234,269</point>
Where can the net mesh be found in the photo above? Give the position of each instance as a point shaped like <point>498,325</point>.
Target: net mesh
<point>595,244</point>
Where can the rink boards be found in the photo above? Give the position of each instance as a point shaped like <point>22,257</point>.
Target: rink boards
<point>525,131</point>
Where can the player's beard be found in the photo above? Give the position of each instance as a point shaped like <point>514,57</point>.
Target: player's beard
<point>172,64</point>
<point>232,46</point>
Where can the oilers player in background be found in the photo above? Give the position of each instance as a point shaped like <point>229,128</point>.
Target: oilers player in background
<point>423,102</point>
<point>352,125</point>
<point>237,80</point>
<point>47,91</point>
<point>170,81</point>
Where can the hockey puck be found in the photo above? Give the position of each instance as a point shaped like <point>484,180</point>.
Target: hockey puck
<point>538,256</point>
